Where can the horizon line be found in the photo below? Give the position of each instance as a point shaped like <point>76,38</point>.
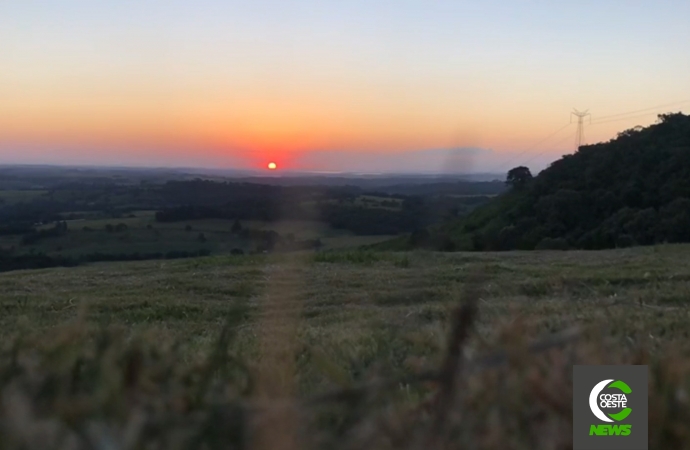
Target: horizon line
<point>242,170</point>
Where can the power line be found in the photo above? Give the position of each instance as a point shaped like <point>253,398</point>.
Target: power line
<point>620,119</point>
<point>579,137</point>
<point>599,121</point>
<point>567,137</point>
<point>533,147</point>
<point>541,153</point>
<point>641,110</point>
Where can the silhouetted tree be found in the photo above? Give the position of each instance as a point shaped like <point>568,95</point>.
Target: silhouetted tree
<point>518,177</point>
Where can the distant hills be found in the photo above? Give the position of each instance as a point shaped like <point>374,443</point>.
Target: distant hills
<point>632,190</point>
<point>47,176</point>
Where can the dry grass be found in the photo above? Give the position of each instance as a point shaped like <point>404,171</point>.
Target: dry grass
<point>414,350</point>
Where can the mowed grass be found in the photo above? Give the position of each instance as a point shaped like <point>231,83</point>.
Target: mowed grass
<point>298,325</point>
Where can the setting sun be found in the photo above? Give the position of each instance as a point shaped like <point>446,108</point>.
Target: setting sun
<point>272,166</point>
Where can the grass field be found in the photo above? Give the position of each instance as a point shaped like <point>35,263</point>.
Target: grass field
<point>11,197</point>
<point>373,201</point>
<point>145,235</point>
<point>271,351</point>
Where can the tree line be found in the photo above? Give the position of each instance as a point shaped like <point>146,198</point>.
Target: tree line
<point>40,260</point>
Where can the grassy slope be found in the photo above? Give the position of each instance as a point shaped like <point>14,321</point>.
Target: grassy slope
<point>485,217</point>
<point>307,324</point>
<point>193,293</point>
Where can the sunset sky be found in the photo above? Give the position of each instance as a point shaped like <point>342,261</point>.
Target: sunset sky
<point>354,85</point>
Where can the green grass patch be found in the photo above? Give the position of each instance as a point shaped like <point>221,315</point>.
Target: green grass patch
<point>196,347</point>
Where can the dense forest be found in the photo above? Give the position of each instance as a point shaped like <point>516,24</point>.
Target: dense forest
<point>632,190</point>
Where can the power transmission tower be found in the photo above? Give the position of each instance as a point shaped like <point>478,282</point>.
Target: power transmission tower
<point>580,136</point>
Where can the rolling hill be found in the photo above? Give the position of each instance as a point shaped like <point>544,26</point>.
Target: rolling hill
<point>631,190</point>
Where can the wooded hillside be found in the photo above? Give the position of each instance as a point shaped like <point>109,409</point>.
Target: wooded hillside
<point>632,190</point>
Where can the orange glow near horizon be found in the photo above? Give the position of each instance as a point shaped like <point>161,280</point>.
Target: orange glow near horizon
<point>256,128</point>
<point>288,131</point>
<point>225,85</point>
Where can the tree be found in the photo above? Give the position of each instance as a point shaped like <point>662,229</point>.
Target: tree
<point>674,222</point>
<point>518,177</point>
<point>236,227</point>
